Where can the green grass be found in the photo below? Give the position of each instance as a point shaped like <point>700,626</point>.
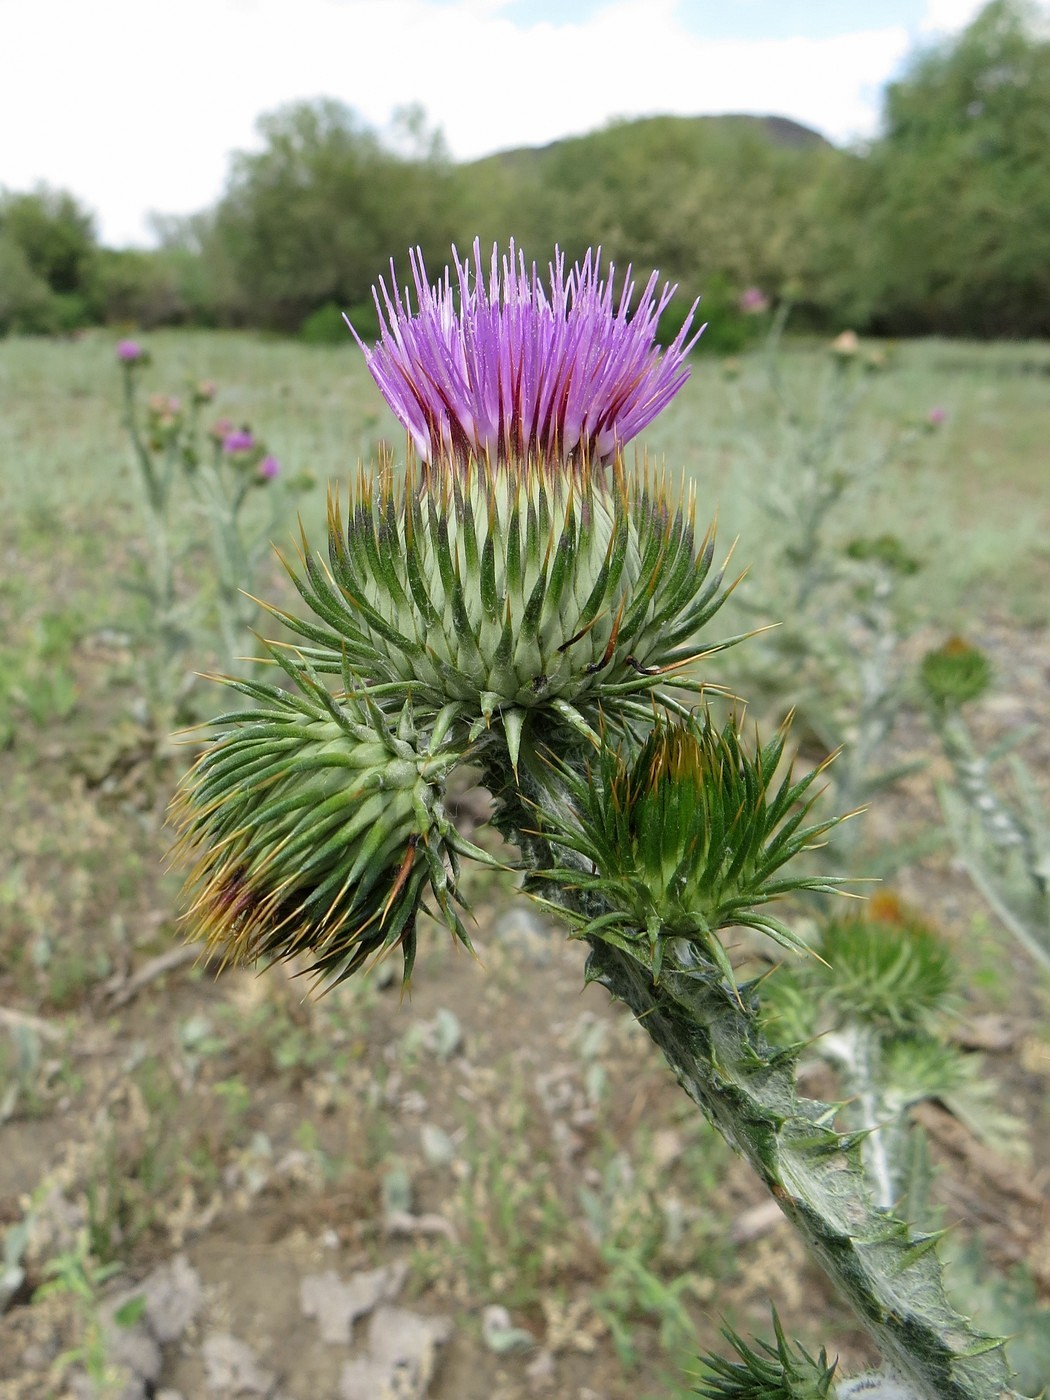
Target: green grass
<point>969,498</point>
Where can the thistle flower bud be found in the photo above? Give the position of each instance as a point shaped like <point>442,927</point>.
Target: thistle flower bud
<point>753,302</point>
<point>845,346</point>
<point>511,592</point>
<point>318,825</point>
<point>894,971</point>
<point>238,442</point>
<point>687,838</point>
<point>130,352</point>
<point>954,673</point>
<point>163,419</point>
<point>886,550</point>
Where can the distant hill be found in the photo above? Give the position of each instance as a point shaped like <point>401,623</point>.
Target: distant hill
<point>677,132</point>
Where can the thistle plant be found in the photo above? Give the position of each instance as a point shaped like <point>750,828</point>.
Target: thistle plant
<point>870,1006</point>
<point>1002,836</point>
<point>835,606</point>
<point>523,600</point>
<point>191,474</point>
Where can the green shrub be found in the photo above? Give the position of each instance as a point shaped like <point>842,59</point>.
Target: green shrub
<point>325,326</point>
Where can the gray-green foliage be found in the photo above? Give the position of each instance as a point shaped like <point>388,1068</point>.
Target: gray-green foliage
<point>871,1005</point>
<point>1000,828</point>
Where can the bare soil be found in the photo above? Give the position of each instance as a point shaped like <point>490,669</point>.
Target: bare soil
<point>505,1133</point>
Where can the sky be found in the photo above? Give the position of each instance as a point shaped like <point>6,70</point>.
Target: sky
<point>136,105</point>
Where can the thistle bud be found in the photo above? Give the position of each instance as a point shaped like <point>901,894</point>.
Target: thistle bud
<point>317,825</point>
<point>895,971</point>
<point>238,443</point>
<point>753,302</point>
<point>510,592</point>
<point>130,352</point>
<point>954,673</point>
<point>163,419</point>
<point>688,838</point>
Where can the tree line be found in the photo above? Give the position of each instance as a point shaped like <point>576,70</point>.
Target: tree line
<point>940,225</point>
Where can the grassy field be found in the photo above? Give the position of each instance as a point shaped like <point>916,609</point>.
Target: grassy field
<point>508,1139</point>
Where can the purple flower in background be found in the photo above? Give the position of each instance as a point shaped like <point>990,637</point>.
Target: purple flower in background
<point>936,416</point>
<point>517,367</point>
<point>269,467</point>
<point>753,301</point>
<point>128,351</point>
<point>240,440</point>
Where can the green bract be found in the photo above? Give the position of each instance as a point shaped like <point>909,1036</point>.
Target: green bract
<point>955,673</point>
<point>318,826</point>
<point>686,838</point>
<point>512,590</point>
<point>767,1372</point>
<point>896,972</point>
<point>890,973</point>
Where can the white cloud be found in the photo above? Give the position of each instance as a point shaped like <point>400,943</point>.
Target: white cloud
<point>949,16</point>
<point>137,104</point>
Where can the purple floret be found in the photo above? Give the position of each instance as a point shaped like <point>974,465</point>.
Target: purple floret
<point>518,370</point>
<point>240,440</point>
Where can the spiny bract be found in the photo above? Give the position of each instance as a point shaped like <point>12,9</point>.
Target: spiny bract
<point>685,837</point>
<point>318,826</point>
<point>511,590</point>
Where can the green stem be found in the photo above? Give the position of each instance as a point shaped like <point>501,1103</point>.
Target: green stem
<point>159,671</point>
<point>999,851</point>
<point>156,492</point>
<point>231,557</point>
<point>890,1277</point>
<point>855,1053</point>
<point>975,783</point>
<point>709,1033</point>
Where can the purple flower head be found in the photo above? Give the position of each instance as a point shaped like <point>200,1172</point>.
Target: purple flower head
<point>128,351</point>
<point>269,467</point>
<point>936,416</point>
<point>240,440</point>
<point>753,301</point>
<point>519,369</point>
